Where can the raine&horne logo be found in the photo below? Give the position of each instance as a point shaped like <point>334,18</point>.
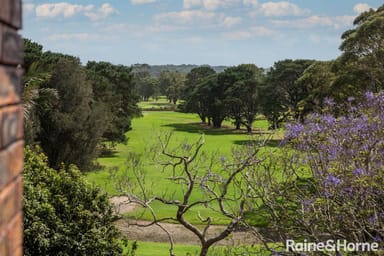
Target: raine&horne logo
<point>330,246</point>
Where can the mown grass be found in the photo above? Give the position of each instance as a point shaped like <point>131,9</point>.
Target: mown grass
<point>157,104</point>
<point>162,249</point>
<point>185,128</point>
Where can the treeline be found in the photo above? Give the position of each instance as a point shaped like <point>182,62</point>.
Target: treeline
<point>155,70</point>
<point>72,109</point>
<point>288,91</point>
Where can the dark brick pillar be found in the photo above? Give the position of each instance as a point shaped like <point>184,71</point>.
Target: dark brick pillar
<point>11,129</point>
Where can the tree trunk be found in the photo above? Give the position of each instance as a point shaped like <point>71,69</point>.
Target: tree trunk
<point>203,118</point>
<point>237,123</point>
<point>249,128</point>
<point>204,250</point>
<point>217,122</point>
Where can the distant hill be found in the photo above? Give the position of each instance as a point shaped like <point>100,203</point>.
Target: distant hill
<point>155,70</point>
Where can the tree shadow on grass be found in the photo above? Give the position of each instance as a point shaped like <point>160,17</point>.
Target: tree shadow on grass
<point>203,128</point>
<point>199,128</point>
<point>269,143</point>
<point>110,153</point>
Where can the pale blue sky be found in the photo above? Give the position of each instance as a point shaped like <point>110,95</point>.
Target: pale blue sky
<point>215,32</point>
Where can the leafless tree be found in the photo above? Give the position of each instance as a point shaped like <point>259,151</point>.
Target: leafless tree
<point>222,182</point>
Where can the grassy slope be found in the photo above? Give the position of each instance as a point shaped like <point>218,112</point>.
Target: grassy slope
<point>184,127</point>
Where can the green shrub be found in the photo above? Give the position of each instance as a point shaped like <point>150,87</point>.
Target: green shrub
<point>63,214</point>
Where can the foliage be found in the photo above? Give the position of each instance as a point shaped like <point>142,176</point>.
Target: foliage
<point>344,197</point>
<point>195,99</point>
<point>230,94</point>
<point>32,53</point>
<point>319,82</point>
<point>113,85</point>
<point>361,64</point>
<point>171,84</point>
<point>281,96</point>
<point>155,70</point>
<point>147,87</point>
<point>242,85</point>
<point>191,171</point>
<point>71,126</point>
<point>63,214</point>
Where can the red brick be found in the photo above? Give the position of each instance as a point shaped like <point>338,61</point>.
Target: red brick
<point>17,252</point>
<point>11,125</point>
<point>15,159</point>
<point>10,85</point>
<point>10,164</point>
<point>9,203</point>
<point>10,12</point>
<point>16,16</point>
<point>5,11</point>
<point>3,246</point>
<point>15,233</point>
<point>12,47</point>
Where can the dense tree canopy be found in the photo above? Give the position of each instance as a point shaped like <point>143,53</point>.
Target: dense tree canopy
<point>74,106</point>
<point>195,100</point>
<point>171,84</point>
<point>360,67</point>
<point>72,127</point>
<point>281,95</point>
<point>114,86</point>
<point>64,215</point>
<point>242,85</point>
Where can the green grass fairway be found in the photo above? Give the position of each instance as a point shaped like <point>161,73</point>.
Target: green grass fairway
<point>186,129</point>
<point>160,104</point>
<point>162,249</point>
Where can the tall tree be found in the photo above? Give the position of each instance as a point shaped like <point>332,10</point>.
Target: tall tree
<point>241,84</point>
<point>114,86</point>
<point>318,80</point>
<point>72,127</point>
<point>195,101</point>
<point>281,96</point>
<point>147,86</point>
<point>361,64</point>
<point>171,84</point>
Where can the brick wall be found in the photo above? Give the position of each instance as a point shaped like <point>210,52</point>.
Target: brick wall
<point>11,129</point>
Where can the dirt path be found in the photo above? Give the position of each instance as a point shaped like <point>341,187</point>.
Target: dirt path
<point>179,233</point>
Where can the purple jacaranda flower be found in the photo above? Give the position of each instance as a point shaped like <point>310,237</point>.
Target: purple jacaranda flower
<point>378,238</point>
<point>369,96</point>
<point>293,130</point>
<point>332,180</point>
<point>223,159</point>
<point>358,172</point>
<point>348,191</point>
<point>329,120</point>
<point>371,220</point>
<point>329,102</point>
<point>350,99</point>
<point>307,204</point>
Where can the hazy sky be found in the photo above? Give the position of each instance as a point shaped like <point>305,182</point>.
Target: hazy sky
<point>215,32</point>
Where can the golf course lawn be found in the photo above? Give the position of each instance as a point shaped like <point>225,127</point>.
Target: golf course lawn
<point>186,129</point>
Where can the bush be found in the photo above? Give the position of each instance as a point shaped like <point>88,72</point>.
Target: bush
<point>64,215</point>
<point>330,184</point>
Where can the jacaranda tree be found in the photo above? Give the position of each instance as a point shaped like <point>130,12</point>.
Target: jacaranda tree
<point>332,187</point>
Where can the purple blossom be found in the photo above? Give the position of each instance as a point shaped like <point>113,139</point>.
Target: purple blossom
<point>358,172</point>
<point>332,180</point>
<point>369,96</point>
<point>294,130</point>
<point>329,102</point>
